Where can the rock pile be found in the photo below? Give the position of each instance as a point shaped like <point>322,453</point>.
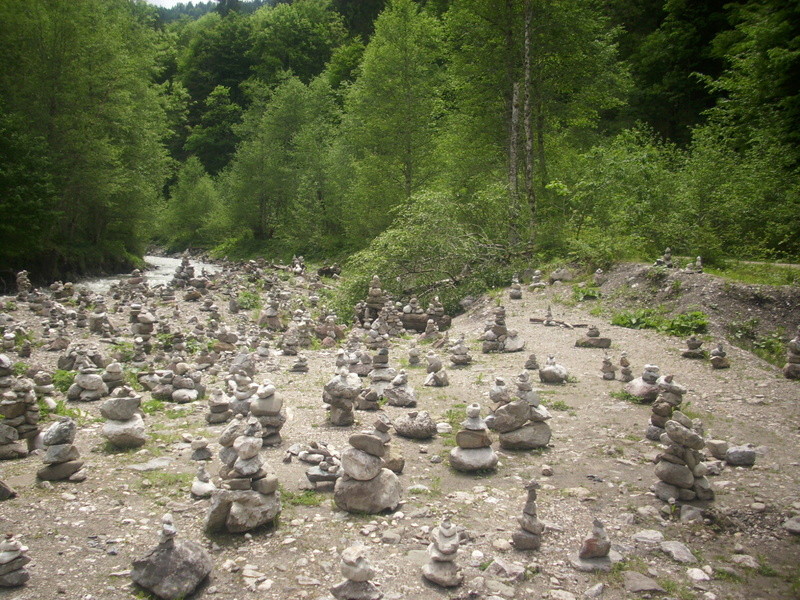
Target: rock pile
<point>366,486</point>
<point>376,298</point>
<point>459,353</point>
<point>400,393</point>
<point>13,558</point>
<point>670,396</point>
<point>719,358</point>
<point>19,425</point>
<point>415,425</point>
<point>219,408</point>
<point>441,568</point>
<point>437,375</point>
<point>125,426</point>
<point>357,573</point>
<point>497,337</point>
<point>680,468</point>
<point>474,446</point>
<point>693,349</point>
<point>24,286</point>
<point>595,553</point>
<point>521,422</point>
<point>592,339</point>
<point>88,386</point>
<point>792,368</point>
<point>532,364</point>
<point>645,387</point>
<point>515,292</point>
<point>174,568</point>
<point>529,535</point>
<point>552,372</point>
<point>267,407</point>
<point>625,372</point>
<point>608,370</point>
<point>340,394</point>
<point>113,376</point>
<point>61,456</point>
<point>202,486</point>
<point>249,497</point>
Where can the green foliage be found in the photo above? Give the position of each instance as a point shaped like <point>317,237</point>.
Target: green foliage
<point>558,405</point>
<point>249,300</point>
<point>644,318</point>
<point>19,368</point>
<point>302,498</point>
<point>648,318</point>
<point>626,397</point>
<point>582,293</point>
<point>686,324</point>
<point>62,380</point>
<point>151,406</point>
<point>757,273</point>
<point>771,346</point>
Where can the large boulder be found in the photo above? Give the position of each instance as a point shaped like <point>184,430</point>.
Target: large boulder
<point>374,496</point>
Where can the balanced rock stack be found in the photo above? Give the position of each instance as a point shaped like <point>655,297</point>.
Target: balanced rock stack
<point>719,358</point>
<point>625,372</point>
<point>497,337</point>
<point>515,293</point>
<point>595,553</point>
<point>377,335</point>
<point>413,355</point>
<point>267,407</point>
<point>202,486</point>
<point>366,486</point>
<point>441,568</point>
<point>13,558</point>
<point>300,365</point>
<point>357,573</point>
<point>592,339</point>
<point>174,568</point>
<point>125,426</point>
<point>20,423</point>
<point>431,331</point>
<point>88,386</point>
<point>142,321</point>
<point>381,374</point>
<point>670,396</point>
<point>219,408</point>
<point>532,364</point>
<point>693,349</point>
<point>646,386</point>
<point>474,446</point>
<point>680,468</point>
<point>340,393</point>
<point>437,376</point>
<point>792,368</point>
<point>552,372</point>
<point>392,316</point>
<point>459,353</point>
<point>376,298</point>
<point>608,370</point>
<point>249,498</point>
<point>529,535</point>
<point>242,387</point>
<point>44,388</point>
<point>400,393</point>
<point>270,316</point>
<point>24,286</point>
<point>61,456</point>
<point>521,422</point>
<point>113,376</point>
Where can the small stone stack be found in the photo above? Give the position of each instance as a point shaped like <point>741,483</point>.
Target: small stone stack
<point>595,553</point>
<point>357,573</point>
<point>437,376</point>
<point>88,386</point>
<point>670,396</point>
<point>552,372</point>
<point>415,425</point>
<point>474,451</point>
<point>44,388</point>
<point>61,456</point>
<point>13,558</point>
<point>515,293</point>
<point>142,321</point>
<point>529,535</point>
<point>608,370</point>
<point>381,376</point>
<point>592,339</point>
<point>792,368</point>
<point>536,281</point>
<point>646,386</point>
<point>680,468</point>
<point>24,286</point>
<point>20,423</point>
<point>532,364</point>
<point>125,426</point>
<point>497,337</point>
<point>98,319</point>
<point>413,355</point>
<point>267,407</point>
<point>174,568</point>
<point>187,384</point>
<point>249,497</point>
<point>219,408</point>
<point>340,393</point>
<point>376,298</point>
<point>625,372</point>
<point>113,376</point>
<point>719,358</point>
<point>459,353</point>
<point>300,365</point>
<point>377,335</point>
<point>392,316</point>
<point>202,486</point>
<point>270,316</point>
<point>366,485</point>
<point>241,386</point>
<point>521,422</point>
<point>431,331</point>
<point>441,568</point>
<point>693,349</point>
<point>400,393</point>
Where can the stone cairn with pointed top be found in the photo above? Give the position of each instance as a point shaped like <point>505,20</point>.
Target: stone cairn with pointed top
<point>670,396</point>
<point>592,339</point>
<point>719,358</point>
<point>645,387</point>
<point>608,370</point>
<point>474,446</point>
<point>625,372</point>
<point>357,573</point>
<point>459,353</point>
<point>515,292</point>
<point>497,337</point>
<point>681,469</point>
<point>125,426</point>
<point>595,553</point>
<point>400,393</point>
<point>521,421</point>
<point>552,372</point>
<point>61,456</point>
<point>529,534</point>
<point>219,408</point>
<point>437,375</point>
<point>441,568</point>
<point>14,558</point>
<point>792,368</point>
<point>531,364</point>
<point>267,407</point>
<point>340,393</point>
<point>693,348</point>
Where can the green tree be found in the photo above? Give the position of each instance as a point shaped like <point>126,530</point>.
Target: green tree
<point>213,140</point>
<point>188,218</point>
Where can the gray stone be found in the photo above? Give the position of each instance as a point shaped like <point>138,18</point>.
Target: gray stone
<point>635,583</point>
<point>677,475</point>
<point>510,416</point>
<point>741,456</point>
<point>120,409</point>
<point>374,496</point>
<point>470,460</point>
<point>172,570</point>
<point>533,435</point>
<point>60,471</point>
<point>369,443</point>
<point>361,465</point>
<point>417,426</point>
<point>62,432</point>
<point>443,573</point>
<point>60,453</point>
<point>792,525</point>
<point>238,511</point>
<point>125,434</point>
<point>678,551</point>
<point>469,439</point>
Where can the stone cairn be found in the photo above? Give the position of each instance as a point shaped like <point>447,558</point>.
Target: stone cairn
<point>670,396</point>
<point>431,331</point>
<point>267,407</point>
<point>552,372</point>
<point>61,456</point>
<point>325,461</point>
<point>249,497</point>
<point>497,337</point>
<point>125,426</point>
<point>693,349</point>
<point>88,386</point>
<point>366,485</point>
<point>592,339</point>
<point>595,553</point>
<point>608,370</point>
<point>113,376</point>
<point>243,388</point>
<point>680,468</point>
<point>531,364</point>
<point>792,368</point>
<point>441,568</point>
<point>380,377</point>
<point>20,423</point>
<point>413,355</point>
<point>474,446</point>
<point>520,422</point>
<point>459,353</point>
<point>515,292</point>
<point>529,534</point>
<point>24,286</point>
<point>645,387</point>
<point>400,393</point>
<point>340,393</point>
<point>625,373</point>
<point>437,375</point>
<point>376,298</point>
<point>536,281</point>
<point>666,260</point>
<point>270,317</point>
<point>719,358</point>
<point>415,425</point>
<point>202,486</point>
<point>357,573</point>
<point>219,408</point>
<point>174,568</point>
<point>13,558</point>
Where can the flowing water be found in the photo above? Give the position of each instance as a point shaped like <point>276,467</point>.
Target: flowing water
<point>160,270</point>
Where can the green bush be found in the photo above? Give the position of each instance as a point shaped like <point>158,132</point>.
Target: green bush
<point>581,293</point>
<point>248,300</point>
<point>648,318</point>
<point>62,380</point>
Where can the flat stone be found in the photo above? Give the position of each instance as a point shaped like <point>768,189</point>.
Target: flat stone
<point>741,456</point>
<point>678,551</point>
<point>792,525</point>
<point>59,471</point>
<point>678,475</point>
<point>361,465</point>
<point>648,536</point>
<point>470,460</point>
<point>120,409</point>
<point>371,444</point>
<point>636,583</point>
<point>60,453</point>
<point>155,464</point>
<point>592,565</point>
<point>172,571</point>
<point>417,427</point>
<point>469,439</point>
<point>533,435</point>
<point>125,434</point>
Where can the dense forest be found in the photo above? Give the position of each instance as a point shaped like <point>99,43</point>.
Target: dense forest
<point>429,141</point>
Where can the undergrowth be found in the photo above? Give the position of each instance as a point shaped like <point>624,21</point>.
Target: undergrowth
<point>649,318</point>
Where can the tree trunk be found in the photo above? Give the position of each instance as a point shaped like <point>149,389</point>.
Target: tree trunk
<point>530,192</point>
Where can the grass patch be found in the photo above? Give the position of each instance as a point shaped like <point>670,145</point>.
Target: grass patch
<point>759,273</point>
<point>626,397</point>
<point>764,568</point>
<point>20,368</point>
<point>62,380</point>
<point>689,323</point>
<point>581,293</point>
<point>455,415</point>
<point>248,300</point>
<point>161,480</point>
<point>557,405</point>
<point>303,498</point>
<point>673,588</point>
<point>151,406</point>
<point>771,347</point>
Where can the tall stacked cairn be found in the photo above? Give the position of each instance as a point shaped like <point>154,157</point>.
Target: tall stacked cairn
<point>125,426</point>
<point>520,422</point>
<point>267,407</point>
<point>248,498</point>
<point>441,568</point>
<point>357,573</point>
<point>792,368</point>
<point>380,375</point>
<point>13,558</point>
<point>20,423</point>
<point>376,298</point>
<point>529,534</point>
<point>681,469</point>
<point>340,394</point>
<point>625,372</point>
<point>515,292</point>
<point>437,375</point>
<point>499,338</point>
<point>474,446</point>
<point>366,485</point>
<point>459,353</point>
<point>670,396</point>
<point>61,455</point>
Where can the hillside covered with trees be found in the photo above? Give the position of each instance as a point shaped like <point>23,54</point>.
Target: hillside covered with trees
<point>428,141</point>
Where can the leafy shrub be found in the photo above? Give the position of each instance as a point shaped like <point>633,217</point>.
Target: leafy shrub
<point>686,324</point>
<point>644,318</point>
<point>248,300</point>
<point>648,318</point>
<point>581,293</point>
<point>62,380</point>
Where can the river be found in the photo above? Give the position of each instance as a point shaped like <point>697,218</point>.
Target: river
<point>160,270</point>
